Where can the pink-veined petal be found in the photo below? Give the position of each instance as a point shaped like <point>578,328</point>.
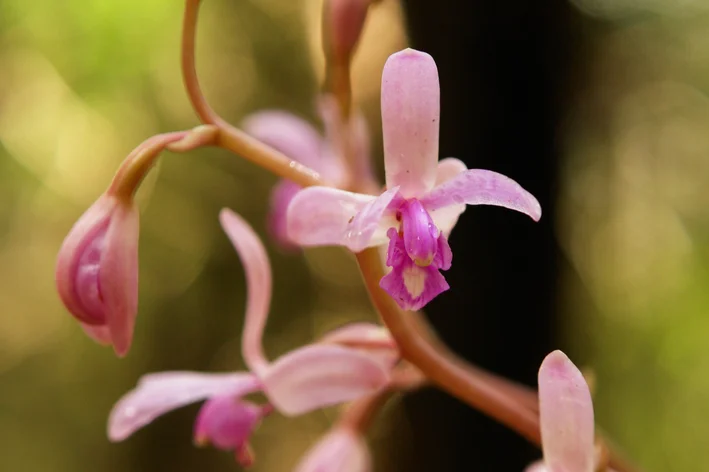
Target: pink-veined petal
<point>293,136</point>
<point>320,375</point>
<point>566,415</point>
<point>483,187</point>
<point>160,393</point>
<point>445,218</point>
<point>340,450</point>
<point>118,277</point>
<point>410,121</point>
<point>258,285</point>
<point>322,216</point>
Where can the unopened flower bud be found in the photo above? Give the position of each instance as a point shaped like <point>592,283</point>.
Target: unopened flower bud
<point>97,271</point>
<point>343,21</point>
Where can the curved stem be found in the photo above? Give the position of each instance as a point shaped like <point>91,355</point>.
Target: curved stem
<point>229,137</point>
<point>448,371</point>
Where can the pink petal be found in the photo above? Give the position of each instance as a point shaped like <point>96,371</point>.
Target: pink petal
<point>159,393</point>
<point>258,284</point>
<point>410,120</point>
<point>483,187</point>
<point>445,218</point>
<point>321,216</point>
<point>566,414</point>
<point>293,136</point>
<point>538,466</point>
<point>340,450</point>
<point>119,276</point>
<point>100,334</point>
<point>281,196</point>
<point>360,334</point>
<point>317,376</point>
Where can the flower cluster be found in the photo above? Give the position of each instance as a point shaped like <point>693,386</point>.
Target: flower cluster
<point>328,196</point>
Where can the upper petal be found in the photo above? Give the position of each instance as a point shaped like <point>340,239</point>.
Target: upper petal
<point>483,187</point>
<point>321,375</point>
<point>410,120</point>
<point>293,136</point>
<point>159,393</point>
<point>118,276</point>
<point>257,269</point>
<point>322,216</point>
<point>566,415</point>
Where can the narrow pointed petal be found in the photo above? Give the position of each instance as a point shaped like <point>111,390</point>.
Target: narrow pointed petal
<point>340,450</point>
<point>317,376</point>
<point>258,285</point>
<point>118,276</point>
<point>446,218</point>
<point>566,414</point>
<point>160,393</point>
<point>321,216</point>
<point>483,187</point>
<point>410,121</point>
<point>293,136</point>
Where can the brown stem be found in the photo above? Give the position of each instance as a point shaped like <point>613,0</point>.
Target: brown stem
<point>448,371</point>
<point>360,414</point>
<point>229,137</point>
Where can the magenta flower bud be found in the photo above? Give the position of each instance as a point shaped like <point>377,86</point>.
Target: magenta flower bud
<point>97,271</point>
<point>343,21</point>
<point>227,423</point>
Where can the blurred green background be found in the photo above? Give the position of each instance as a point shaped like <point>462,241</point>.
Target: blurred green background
<point>84,81</point>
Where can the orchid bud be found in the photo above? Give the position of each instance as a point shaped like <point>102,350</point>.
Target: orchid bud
<point>97,271</point>
<point>227,423</point>
<point>341,449</point>
<point>343,21</point>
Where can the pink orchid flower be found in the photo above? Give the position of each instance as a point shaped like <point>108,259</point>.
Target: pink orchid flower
<point>300,141</point>
<point>566,414</point>
<point>97,271</point>
<point>348,363</point>
<point>341,450</point>
<point>423,197</point>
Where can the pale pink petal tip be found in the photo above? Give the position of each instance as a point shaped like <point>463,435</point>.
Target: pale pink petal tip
<point>537,466</point>
<point>566,413</point>
<point>97,272</point>
<point>410,100</point>
<point>227,423</point>
<point>321,375</point>
<point>340,450</point>
<point>160,393</point>
<point>483,187</point>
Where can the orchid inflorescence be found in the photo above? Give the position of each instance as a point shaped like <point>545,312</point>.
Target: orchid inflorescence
<point>328,196</point>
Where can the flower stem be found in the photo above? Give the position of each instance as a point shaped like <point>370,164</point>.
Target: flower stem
<point>229,137</point>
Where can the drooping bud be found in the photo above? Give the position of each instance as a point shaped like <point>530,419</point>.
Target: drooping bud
<point>227,423</point>
<point>97,271</point>
<point>97,265</point>
<point>343,21</point>
<point>342,450</point>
